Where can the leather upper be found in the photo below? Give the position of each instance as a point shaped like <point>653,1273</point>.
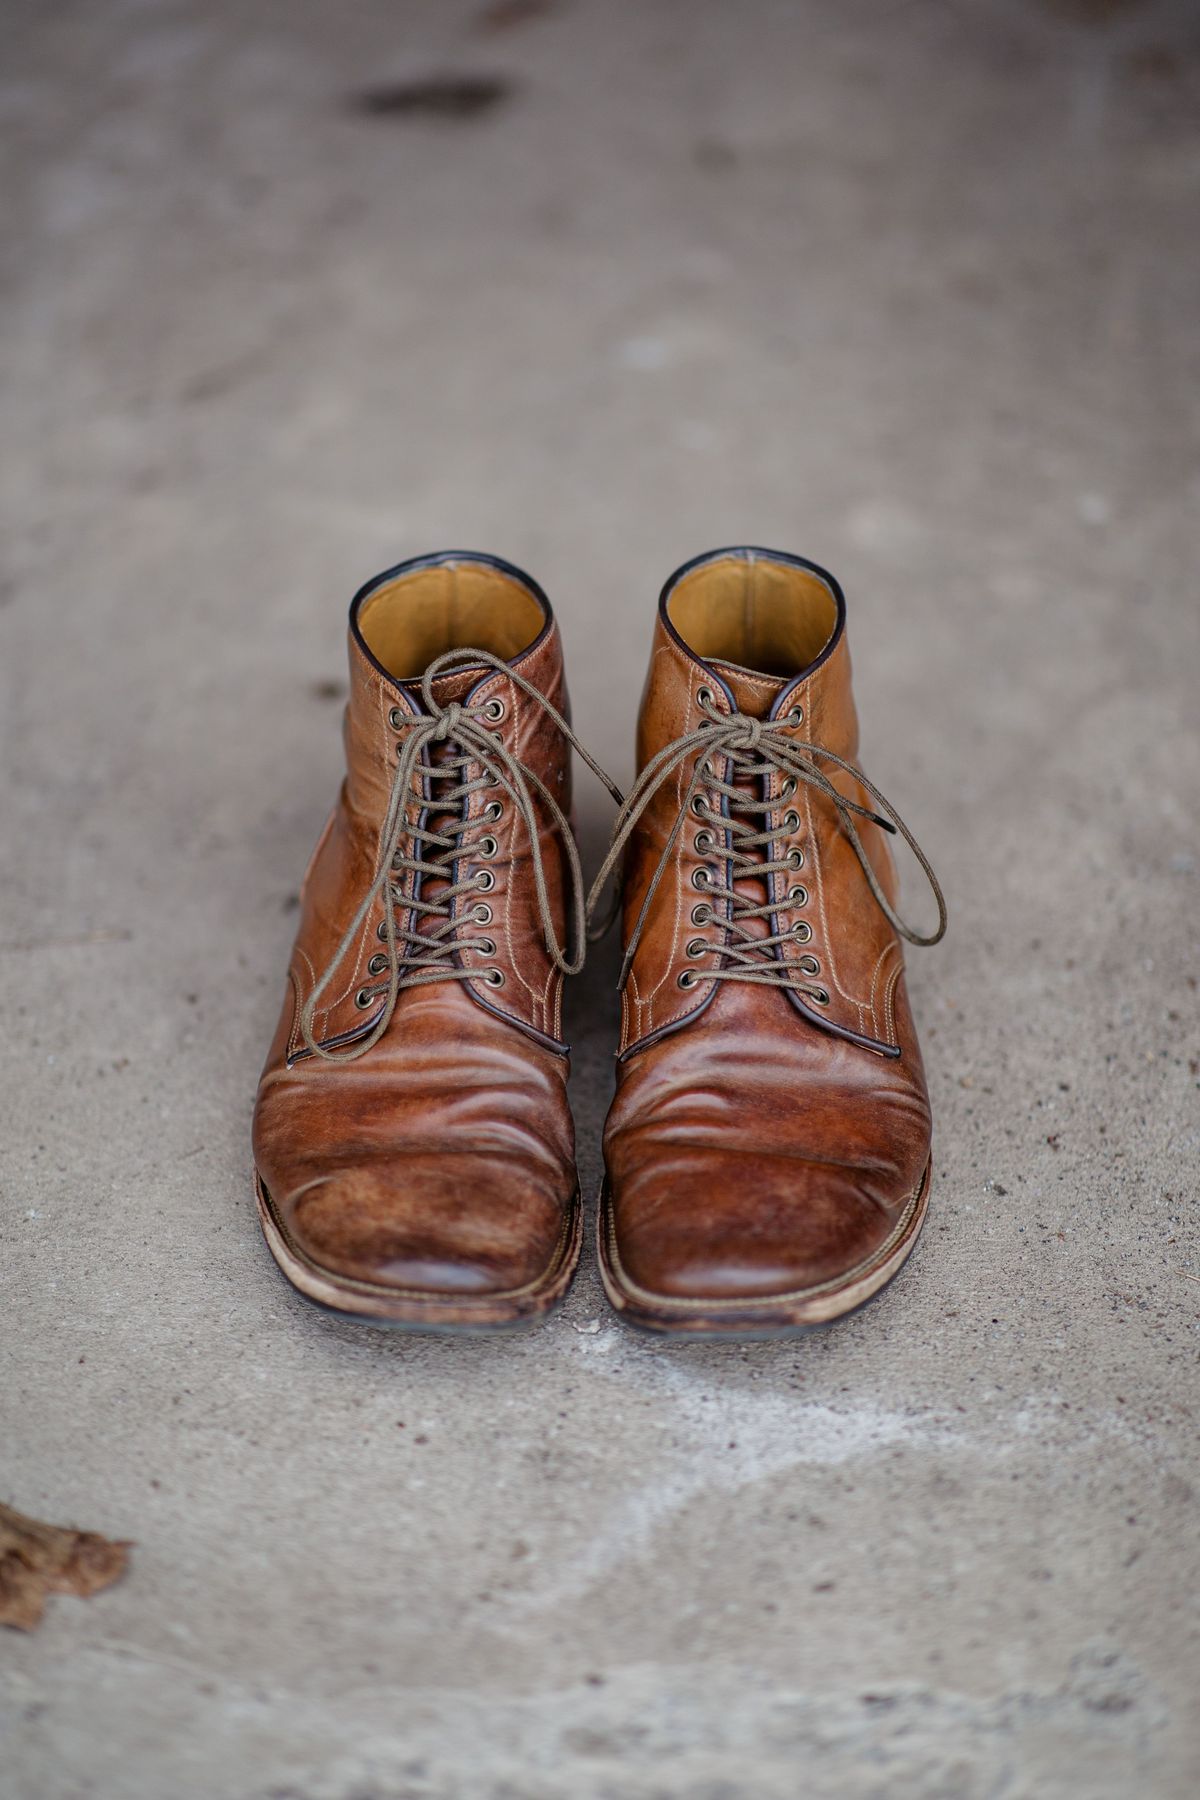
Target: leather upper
<point>758,1142</point>
<point>442,1159</point>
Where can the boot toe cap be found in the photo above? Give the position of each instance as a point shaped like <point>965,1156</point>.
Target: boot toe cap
<point>426,1228</point>
<point>792,1227</point>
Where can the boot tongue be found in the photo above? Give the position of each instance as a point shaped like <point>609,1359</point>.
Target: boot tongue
<point>753,694</point>
<point>455,684</point>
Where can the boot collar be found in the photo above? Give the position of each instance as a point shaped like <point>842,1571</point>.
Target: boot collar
<point>748,690</point>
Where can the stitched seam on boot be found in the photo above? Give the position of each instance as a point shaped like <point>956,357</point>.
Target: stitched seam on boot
<point>682,1012</point>
<point>873,1008</point>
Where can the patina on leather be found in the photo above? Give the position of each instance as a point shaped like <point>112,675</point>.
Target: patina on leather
<point>412,1138</point>
<point>768,1145</point>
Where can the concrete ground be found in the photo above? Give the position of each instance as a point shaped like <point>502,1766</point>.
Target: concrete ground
<point>910,288</point>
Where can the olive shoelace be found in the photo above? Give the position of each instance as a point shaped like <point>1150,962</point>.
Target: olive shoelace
<point>753,748</point>
<point>424,950</point>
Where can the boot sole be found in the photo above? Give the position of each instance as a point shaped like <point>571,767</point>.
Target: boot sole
<point>769,1315</point>
<point>416,1309</point>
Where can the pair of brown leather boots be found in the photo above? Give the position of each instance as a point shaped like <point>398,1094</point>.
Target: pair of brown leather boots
<point>767,1150</point>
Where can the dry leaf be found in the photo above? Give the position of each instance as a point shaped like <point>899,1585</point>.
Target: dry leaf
<point>37,1559</point>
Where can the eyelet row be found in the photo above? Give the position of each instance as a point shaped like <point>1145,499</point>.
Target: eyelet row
<point>811,966</point>
<point>485,881</point>
<point>493,710</point>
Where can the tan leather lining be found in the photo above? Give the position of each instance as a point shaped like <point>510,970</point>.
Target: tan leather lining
<point>766,616</point>
<point>410,620</point>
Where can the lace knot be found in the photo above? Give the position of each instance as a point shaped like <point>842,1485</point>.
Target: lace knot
<point>446,721</point>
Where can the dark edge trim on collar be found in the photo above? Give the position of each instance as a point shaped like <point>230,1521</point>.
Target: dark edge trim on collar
<point>750,553</point>
<point>410,685</point>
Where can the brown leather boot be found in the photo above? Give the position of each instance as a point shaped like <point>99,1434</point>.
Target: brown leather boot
<point>768,1145</point>
<point>413,1143</point>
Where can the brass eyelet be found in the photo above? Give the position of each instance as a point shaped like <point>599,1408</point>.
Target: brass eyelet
<point>802,930</point>
<point>363,999</point>
<point>791,819</point>
<point>485,946</point>
<point>688,979</point>
<point>485,881</point>
<point>794,715</point>
<point>396,719</point>
<point>493,811</point>
<point>377,964</point>
<point>700,806</point>
<point>798,895</point>
<point>697,947</point>
<point>702,914</point>
<point>810,965</point>
<point>488,846</point>
<point>381,931</point>
<point>482,913</point>
<point>700,878</point>
<point>704,696</point>
<point>788,788</point>
<point>795,859</point>
<point>494,978</point>
<point>704,842</point>
<point>494,710</point>
<point>821,997</point>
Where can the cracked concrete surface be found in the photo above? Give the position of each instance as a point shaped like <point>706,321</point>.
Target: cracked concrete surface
<point>296,290</point>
